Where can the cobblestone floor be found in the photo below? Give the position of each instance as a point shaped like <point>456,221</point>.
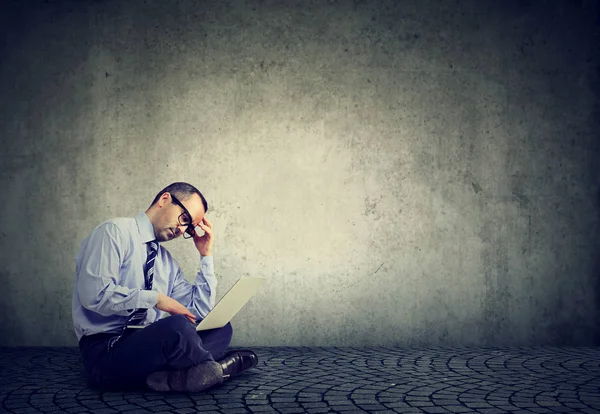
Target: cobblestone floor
<point>319,380</point>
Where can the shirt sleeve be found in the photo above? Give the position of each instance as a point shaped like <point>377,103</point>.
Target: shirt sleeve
<point>198,297</point>
<point>98,276</point>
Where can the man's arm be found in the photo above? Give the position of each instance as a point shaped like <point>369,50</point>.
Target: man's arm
<point>98,275</point>
<point>198,297</point>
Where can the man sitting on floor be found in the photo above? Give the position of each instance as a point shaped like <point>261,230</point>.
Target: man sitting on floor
<point>125,277</point>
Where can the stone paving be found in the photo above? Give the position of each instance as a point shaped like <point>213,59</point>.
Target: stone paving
<point>321,380</point>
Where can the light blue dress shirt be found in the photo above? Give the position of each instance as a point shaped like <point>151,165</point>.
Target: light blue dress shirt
<point>109,278</point>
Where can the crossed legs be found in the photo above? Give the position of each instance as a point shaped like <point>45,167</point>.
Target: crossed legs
<point>170,344</point>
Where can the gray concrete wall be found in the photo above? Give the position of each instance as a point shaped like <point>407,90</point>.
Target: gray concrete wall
<point>403,173</point>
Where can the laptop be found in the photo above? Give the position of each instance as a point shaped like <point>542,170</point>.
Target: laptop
<point>229,305</point>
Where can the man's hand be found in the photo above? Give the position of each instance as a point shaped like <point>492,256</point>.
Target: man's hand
<point>204,243</point>
<point>170,305</point>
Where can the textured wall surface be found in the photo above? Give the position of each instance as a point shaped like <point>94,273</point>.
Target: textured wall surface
<point>403,173</point>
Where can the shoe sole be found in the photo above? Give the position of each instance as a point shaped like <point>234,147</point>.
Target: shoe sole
<point>194,379</point>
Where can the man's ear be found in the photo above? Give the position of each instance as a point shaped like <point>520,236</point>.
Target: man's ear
<point>163,200</point>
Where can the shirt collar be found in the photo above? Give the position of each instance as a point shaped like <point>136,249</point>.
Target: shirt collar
<point>145,227</point>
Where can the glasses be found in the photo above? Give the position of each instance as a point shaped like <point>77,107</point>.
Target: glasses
<point>185,219</point>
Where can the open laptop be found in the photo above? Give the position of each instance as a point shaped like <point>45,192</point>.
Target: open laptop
<point>229,305</point>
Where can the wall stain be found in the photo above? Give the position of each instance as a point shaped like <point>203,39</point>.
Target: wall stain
<point>521,198</point>
<point>495,304</point>
<point>371,207</point>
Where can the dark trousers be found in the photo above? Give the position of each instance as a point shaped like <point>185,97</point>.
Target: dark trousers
<point>171,343</point>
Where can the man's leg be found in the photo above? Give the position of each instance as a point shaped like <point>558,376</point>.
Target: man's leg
<point>216,341</point>
<point>232,363</point>
<point>209,373</point>
<point>167,355</point>
<point>168,344</point>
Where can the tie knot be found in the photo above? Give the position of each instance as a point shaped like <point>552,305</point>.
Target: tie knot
<point>153,245</point>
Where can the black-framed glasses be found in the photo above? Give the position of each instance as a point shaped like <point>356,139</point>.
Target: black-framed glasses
<point>185,219</point>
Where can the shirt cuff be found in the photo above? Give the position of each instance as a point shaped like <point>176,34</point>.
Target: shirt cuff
<point>206,276</point>
<point>147,299</point>
<point>207,265</point>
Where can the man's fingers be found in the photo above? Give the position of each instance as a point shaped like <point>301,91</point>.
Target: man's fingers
<point>191,317</point>
<point>187,313</point>
<point>205,229</point>
<point>205,226</point>
<point>173,307</point>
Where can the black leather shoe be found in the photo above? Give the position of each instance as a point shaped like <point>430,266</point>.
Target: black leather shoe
<point>236,362</point>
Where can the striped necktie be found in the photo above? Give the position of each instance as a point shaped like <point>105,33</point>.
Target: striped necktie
<point>140,314</point>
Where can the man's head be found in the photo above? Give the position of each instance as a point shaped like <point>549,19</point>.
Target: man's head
<point>177,208</point>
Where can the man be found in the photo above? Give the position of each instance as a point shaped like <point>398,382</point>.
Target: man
<point>124,277</point>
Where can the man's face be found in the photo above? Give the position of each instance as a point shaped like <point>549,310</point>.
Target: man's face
<point>167,225</point>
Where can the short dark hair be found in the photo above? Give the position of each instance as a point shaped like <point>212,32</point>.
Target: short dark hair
<point>182,191</point>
